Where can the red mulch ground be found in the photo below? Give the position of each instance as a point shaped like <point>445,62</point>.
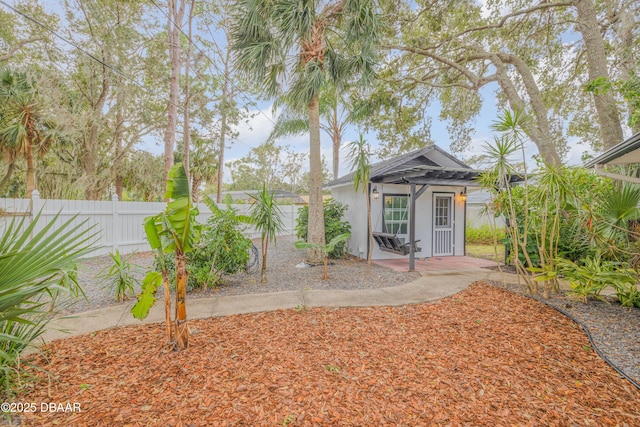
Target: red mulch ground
<point>482,357</point>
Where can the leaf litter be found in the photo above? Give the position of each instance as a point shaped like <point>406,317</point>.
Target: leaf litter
<point>484,356</point>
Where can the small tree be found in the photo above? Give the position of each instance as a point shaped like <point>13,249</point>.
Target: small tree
<point>359,152</point>
<point>266,216</point>
<point>177,224</point>
<point>325,249</point>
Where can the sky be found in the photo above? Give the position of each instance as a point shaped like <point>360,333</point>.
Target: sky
<point>261,124</point>
<point>257,129</point>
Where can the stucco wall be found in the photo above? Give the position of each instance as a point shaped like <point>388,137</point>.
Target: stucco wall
<point>356,214</point>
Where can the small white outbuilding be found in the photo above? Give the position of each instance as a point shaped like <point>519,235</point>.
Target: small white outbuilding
<point>418,206</point>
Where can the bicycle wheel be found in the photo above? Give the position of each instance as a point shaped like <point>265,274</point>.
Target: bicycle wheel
<point>253,264</point>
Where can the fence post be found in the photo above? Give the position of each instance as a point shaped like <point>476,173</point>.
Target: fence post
<point>36,206</point>
<point>116,222</point>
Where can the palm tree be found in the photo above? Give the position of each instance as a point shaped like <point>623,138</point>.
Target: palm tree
<point>266,216</point>
<point>359,152</point>
<point>290,48</point>
<point>335,119</point>
<point>23,129</point>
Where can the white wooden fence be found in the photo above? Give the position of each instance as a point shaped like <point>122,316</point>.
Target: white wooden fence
<point>118,224</point>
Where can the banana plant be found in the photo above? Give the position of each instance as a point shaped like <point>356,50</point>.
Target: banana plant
<point>174,230</point>
<point>325,249</point>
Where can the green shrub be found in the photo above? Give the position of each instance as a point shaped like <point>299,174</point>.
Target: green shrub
<point>484,235</point>
<point>333,225</point>
<point>223,249</point>
<point>629,296</point>
<point>592,275</point>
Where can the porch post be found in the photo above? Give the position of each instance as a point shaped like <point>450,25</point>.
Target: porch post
<point>412,229</point>
<point>369,222</point>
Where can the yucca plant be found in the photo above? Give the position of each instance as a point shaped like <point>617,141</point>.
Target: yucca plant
<point>359,153</point>
<point>119,278</point>
<point>33,268</point>
<point>266,216</point>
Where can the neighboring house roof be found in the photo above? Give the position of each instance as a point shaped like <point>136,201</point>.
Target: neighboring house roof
<point>305,197</point>
<point>479,197</point>
<point>430,165</point>
<point>277,194</point>
<point>627,151</point>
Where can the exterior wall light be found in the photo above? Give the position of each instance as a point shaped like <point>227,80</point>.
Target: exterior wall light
<point>375,193</point>
<point>463,196</point>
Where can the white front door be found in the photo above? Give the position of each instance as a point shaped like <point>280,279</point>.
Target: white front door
<point>442,224</point>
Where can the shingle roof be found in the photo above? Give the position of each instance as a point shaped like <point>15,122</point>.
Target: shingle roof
<point>429,164</point>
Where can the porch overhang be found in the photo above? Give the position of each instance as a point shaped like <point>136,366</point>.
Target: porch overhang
<point>429,175</point>
<point>628,151</point>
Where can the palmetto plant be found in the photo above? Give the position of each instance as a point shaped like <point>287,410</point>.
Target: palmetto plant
<point>31,265</point>
<point>619,206</point>
<point>293,49</point>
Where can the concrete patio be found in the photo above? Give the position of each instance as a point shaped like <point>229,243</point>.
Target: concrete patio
<point>436,263</point>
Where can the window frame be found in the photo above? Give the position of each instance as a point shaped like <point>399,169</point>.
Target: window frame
<point>400,222</point>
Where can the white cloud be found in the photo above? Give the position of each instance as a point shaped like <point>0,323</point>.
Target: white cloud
<point>574,154</point>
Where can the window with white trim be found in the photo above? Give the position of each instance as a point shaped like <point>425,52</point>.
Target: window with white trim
<point>396,214</point>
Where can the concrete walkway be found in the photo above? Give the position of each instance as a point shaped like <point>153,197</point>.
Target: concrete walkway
<point>431,286</point>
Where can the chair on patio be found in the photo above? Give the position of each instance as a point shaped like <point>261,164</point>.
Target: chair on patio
<point>392,243</point>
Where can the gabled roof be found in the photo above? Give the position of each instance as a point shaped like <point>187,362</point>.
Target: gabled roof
<point>627,151</point>
<point>430,165</point>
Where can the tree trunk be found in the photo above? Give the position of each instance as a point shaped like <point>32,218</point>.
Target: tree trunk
<point>195,189</point>
<point>607,111</point>
<point>93,188</point>
<point>182,330</point>
<point>315,228</point>
<point>263,271</point>
<point>117,164</point>
<point>7,176</point>
<point>627,61</point>
<point>370,226</point>
<point>336,138</point>
<point>326,268</point>
<point>223,126</point>
<point>187,93</point>
<point>167,305</point>
<point>31,170</point>
<point>539,131</point>
<point>174,16</point>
